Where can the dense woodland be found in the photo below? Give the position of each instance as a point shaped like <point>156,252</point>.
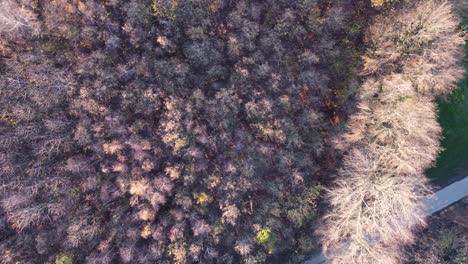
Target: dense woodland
<point>206,131</point>
<point>140,131</point>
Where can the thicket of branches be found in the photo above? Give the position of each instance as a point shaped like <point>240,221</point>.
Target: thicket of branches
<point>444,240</point>
<point>16,19</point>
<point>168,131</point>
<point>393,137</point>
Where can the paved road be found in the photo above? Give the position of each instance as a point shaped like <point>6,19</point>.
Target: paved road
<point>440,200</point>
<point>447,196</point>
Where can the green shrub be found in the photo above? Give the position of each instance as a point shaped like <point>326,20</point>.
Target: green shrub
<point>304,207</point>
<point>64,258</point>
<point>266,238</point>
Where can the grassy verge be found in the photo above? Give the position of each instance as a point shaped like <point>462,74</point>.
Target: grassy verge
<point>453,117</point>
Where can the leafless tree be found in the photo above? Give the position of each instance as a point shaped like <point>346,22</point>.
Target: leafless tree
<point>22,213</point>
<point>422,40</point>
<point>375,201</point>
<point>394,135</point>
<point>16,19</point>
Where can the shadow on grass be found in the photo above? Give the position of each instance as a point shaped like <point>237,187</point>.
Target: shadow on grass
<point>453,117</point>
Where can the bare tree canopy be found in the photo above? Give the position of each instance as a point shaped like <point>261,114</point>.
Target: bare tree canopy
<point>393,137</point>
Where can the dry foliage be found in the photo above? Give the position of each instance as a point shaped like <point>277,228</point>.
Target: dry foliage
<point>394,136</point>
<point>169,132</point>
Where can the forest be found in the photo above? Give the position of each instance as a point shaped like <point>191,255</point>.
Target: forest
<point>221,131</point>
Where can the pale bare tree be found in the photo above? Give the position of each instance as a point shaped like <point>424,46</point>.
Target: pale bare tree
<point>394,135</point>
<point>422,41</point>
<point>22,213</point>
<point>375,201</point>
<point>16,19</point>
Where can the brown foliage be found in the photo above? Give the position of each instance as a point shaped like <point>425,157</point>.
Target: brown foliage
<point>149,139</point>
